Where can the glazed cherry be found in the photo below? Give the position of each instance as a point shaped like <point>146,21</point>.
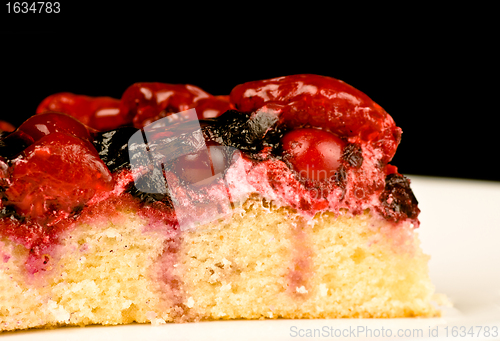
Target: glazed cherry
<point>101,113</point>
<point>6,126</point>
<point>14,143</point>
<point>314,154</point>
<point>213,107</point>
<point>323,102</point>
<point>199,167</point>
<point>38,126</point>
<point>58,172</point>
<point>106,114</point>
<point>145,103</point>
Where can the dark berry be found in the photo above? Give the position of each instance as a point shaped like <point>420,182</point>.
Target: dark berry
<point>353,155</point>
<point>112,147</point>
<point>244,131</point>
<point>398,200</point>
<point>152,189</point>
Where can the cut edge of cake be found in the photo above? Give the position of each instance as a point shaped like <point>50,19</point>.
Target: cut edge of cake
<point>265,261</point>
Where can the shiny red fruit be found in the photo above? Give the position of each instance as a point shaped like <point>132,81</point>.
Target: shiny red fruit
<point>323,102</point>
<point>213,107</point>
<point>145,103</point>
<point>101,113</point>
<point>6,126</point>
<point>39,126</point>
<point>314,154</point>
<point>58,172</point>
<point>200,167</point>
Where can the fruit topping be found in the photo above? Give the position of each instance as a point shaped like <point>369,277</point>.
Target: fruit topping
<point>41,125</point>
<point>398,200</point>
<point>58,172</point>
<point>112,147</point>
<point>198,168</point>
<point>212,107</point>
<point>324,102</point>
<point>246,131</point>
<point>100,113</point>
<point>6,126</point>
<point>148,102</point>
<point>314,154</point>
<point>14,143</point>
<point>353,155</point>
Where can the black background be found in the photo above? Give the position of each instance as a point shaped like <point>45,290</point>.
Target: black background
<point>436,76</point>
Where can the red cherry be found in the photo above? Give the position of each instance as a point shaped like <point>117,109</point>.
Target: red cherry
<point>58,172</point>
<point>213,107</point>
<point>315,154</point>
<point>195,168</point>
<point>38,126</point>
<point>77,106</point>
<point>324,102</point>
<point>106,114</point>
<point>145,103</point>
<point>6,126</point>
<point>101,113</point>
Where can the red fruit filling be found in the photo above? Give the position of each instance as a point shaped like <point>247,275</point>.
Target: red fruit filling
<point>335,138</point>
<point>97,112</point>
<point>328,103</point>
<point>213,107</point>
<point>314,154</point>
<point>57,173</point>
<point>148,102</point>
<point>39,126</point>
<point>199,167</point>
<point>6,126</point>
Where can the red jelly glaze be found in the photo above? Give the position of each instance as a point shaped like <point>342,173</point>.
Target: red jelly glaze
<point>56,173</point>
<point>318,101</point>
<point>198,168</point>
<point>213,107</point>
<point>6,126</point>
<point>314,154</point>
<point>148,102</point>
<point>41,125</point>
<point>101,113</point>
<point>61,170</point>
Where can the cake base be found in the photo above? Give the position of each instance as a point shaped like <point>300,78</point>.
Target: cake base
<point>263,262</point>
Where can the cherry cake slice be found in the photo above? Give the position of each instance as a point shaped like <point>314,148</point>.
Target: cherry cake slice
<point>174,205</point>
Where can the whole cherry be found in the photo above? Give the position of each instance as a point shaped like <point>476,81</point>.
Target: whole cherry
<point>57,172</point>
<point>313,153</point>
<point>198,168</point>
<point>38,126</point>
<point>6,126</point>
<point>101,113</point>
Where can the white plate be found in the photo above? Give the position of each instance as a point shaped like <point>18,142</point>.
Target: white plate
<point>460,228</point>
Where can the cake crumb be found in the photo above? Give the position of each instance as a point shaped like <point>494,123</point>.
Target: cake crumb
<point>60,314</point>
<point>190,302</point>
<point>302,290</point>
<point>226,287</point>
<point>225,262</point>
<point>323,290</point>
